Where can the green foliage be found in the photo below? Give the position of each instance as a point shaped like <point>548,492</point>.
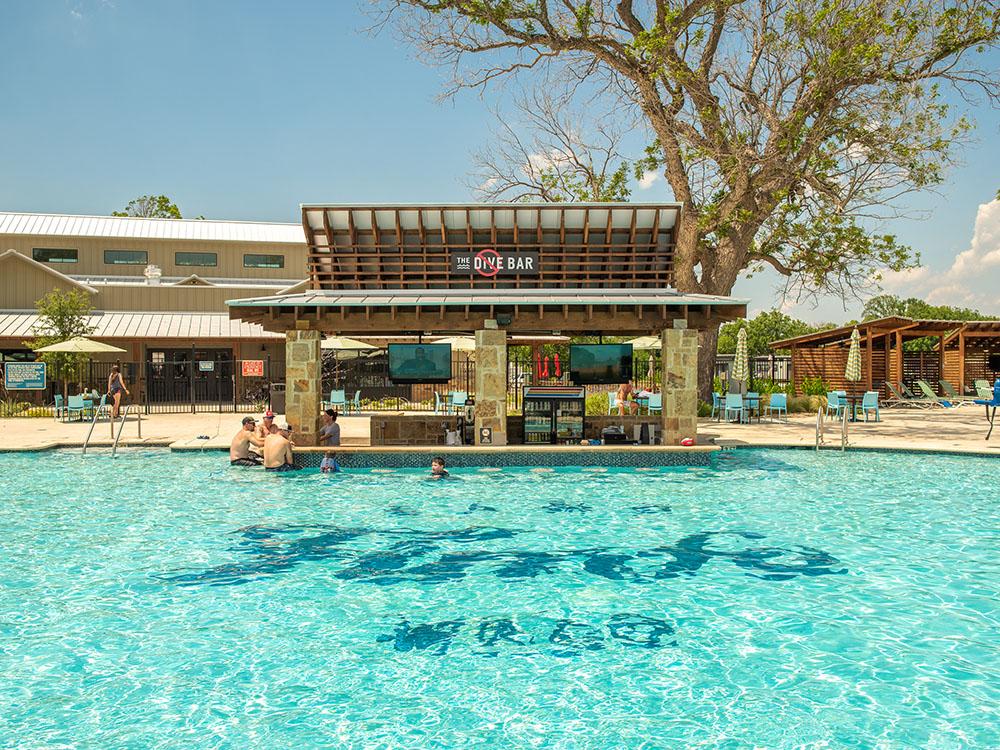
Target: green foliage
<point>704,409</point>
<point>772,325</point>
<point>61,316</point>
<point>151,207</point>
<point>814,387</point>
<point>806,404</point>
<point>597,404</point>
<point>561,186</point>
<point>888,305</point>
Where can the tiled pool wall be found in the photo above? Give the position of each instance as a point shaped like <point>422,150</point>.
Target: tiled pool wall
<point>417,460</point>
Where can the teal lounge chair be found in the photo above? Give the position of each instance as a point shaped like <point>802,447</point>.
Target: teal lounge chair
<point>777,404</point>
<point>898,399</point>
<point>716,404</point>
<point>869,403</point>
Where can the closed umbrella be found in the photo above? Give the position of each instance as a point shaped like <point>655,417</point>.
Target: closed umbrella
<point>853,372</point>
<point>741,363</point>
<point>80,345</point>
<point>649,343</point>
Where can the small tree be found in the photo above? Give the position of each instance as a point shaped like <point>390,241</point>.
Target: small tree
<point>151,207</point>
<point>61,316</point>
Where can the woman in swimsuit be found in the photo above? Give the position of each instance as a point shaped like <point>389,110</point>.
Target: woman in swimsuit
<point>116,386</point>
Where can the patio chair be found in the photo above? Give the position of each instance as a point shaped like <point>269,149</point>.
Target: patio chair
<point>835,403</point>
<point>654,403</point>
<point>752,401</point>
<point>734,404</point>
<point>440,404</point>
<point>354,405</point>
<point>777,404</point>
<point>716,403</point>
<point>59,409</point>
<point>869,402</point>
<point>612,402</point>
<point>338,400</point>
<point>77,405</point>
<point>931,396</point>
<point>458,399</point>
<point>102,408</point>
<point>952,395</point>
<point>991,403</point>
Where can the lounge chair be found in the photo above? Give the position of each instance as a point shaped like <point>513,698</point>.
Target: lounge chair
<point>898,399</point>
<point>869,402</point>
<point>984,384</point>
<point>777,404</point>
<point>952,395</point>
<point>930,395</point>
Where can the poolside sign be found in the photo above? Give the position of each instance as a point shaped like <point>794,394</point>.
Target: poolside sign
<point>253,368</point>
<point>206,365</point>
<point>490,263</point>
<point>24,376</point>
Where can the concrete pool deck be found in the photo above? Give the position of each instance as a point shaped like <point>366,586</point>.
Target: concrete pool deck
<point>958,430</point>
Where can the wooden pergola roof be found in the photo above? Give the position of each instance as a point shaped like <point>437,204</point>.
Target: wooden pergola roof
<point>908,328</point>
<point>409,246</point>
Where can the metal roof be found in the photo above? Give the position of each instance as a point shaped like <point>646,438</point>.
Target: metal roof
<point>480,297</point>
<point>124,325</point>
<point>907,327</point>
<point>120,227</point>
<point>15,256</point>
<point>490,216</point>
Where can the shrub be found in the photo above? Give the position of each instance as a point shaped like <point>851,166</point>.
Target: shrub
<point>704,408</point>
<point>806,404</point>
<point>814,387</point>
<point>597,404</point>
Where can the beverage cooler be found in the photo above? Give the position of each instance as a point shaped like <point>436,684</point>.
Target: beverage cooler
<point>554,414</point>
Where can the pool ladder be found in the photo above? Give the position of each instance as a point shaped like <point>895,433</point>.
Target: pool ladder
<point>820,439</point>
<point>121,429</point>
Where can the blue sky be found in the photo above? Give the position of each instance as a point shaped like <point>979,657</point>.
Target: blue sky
<point>242,110</point>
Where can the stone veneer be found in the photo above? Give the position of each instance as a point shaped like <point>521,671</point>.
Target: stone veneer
<point>491,383</point>
<point>680,384</point>
<point>303,375</point>
<point>592,425</point>
<point>411,429</point>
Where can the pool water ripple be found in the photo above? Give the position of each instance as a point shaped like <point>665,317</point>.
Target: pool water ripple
<point>772,599</point>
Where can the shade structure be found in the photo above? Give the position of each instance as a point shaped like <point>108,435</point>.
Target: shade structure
<point>458,343</point>
<point>649,343</point>
<point>81,345</point>
<point>741,363</point>
<point>343,344</point>
<point>853,371</point>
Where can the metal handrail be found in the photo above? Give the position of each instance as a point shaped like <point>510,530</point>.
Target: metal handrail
<point>121,429</point>
<point>819,428</point>
<point>843,433</point>
<point>97,413</point>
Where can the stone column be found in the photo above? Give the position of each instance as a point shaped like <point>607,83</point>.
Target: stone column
<point>303,382</point>
<point>491,384</point>
<point>680,384</point>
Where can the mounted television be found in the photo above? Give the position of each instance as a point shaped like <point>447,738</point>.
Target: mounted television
<point>994,361</point>
<point>419,363</point>
<point>600,363</point>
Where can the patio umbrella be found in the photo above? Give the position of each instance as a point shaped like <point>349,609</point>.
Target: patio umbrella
<point>81,345</point>
<point>649,343</point>
<point>741,363</point>
<point>459,343</point>
<point>344,344</point>
<point>853,372</point>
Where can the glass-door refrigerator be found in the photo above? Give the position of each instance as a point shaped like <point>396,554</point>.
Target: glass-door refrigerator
<point>554,414</point>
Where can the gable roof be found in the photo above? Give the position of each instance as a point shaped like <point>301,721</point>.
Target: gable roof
<point>192,280</point>
<point>127,227</point>
<point>13,256</point>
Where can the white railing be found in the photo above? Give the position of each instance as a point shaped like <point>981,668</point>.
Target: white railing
<point>819,429</point>
<point>97,413</point>
<point>121,429</point>
<point>843,432</point>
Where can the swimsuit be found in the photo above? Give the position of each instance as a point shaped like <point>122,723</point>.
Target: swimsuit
<point>116,386</point>
<point>249,461</point>
<point>283,467</point>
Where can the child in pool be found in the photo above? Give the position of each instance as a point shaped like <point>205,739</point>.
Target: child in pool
<point>437,468</point>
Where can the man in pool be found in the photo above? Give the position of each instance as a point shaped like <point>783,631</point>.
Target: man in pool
<point>278,451</point>
<point>239,449</point>
<point>437,468</point>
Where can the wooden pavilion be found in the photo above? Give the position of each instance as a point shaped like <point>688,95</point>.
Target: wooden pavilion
<point>966,346</point>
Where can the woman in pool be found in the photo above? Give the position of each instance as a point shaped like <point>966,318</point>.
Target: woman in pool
<point>116,386</point>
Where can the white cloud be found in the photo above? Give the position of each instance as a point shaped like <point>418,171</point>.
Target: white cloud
<point>648,179</point>
<point>972,280</point>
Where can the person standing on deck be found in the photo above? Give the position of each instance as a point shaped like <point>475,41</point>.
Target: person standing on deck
<point>116,387</point>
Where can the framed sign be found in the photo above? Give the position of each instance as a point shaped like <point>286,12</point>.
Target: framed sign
<point>24,376</point>
<point>253,368</point>
<point>486,436</point>
<point>490,263</point>
<point>206,365</point>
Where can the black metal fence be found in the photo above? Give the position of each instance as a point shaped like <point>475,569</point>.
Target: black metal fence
<point>774,367</point>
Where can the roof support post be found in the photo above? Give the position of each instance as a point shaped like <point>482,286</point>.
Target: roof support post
<point>961,361</point>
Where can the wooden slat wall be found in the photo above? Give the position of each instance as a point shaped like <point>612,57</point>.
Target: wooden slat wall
<point>376,254</point>
<point>977,351</point>
<point>830,364</point>
<point>921,366</point>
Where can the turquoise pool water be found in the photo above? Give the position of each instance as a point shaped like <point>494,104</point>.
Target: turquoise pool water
<point>774,599</point>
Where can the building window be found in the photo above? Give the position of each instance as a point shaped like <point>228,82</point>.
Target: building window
<point>54,255</point>
<point>250,260</point>
<point>196,259</point>
<point>126,257</point>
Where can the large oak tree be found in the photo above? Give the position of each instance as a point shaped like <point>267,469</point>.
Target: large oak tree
<point>787,128</point>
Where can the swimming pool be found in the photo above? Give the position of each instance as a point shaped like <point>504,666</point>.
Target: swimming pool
<point>772,599</point>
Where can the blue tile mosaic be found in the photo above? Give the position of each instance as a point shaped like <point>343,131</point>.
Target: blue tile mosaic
<point>514,457</point>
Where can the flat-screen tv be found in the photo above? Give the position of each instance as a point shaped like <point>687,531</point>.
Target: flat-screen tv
<point>419,363</point>
<point>600,363</point>
<point>994,362</point>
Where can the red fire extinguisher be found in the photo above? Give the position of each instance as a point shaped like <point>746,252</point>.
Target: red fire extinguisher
<point>538,365</point>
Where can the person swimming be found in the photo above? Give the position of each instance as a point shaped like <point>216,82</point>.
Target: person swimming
<point>437,468</point>
<point>329,463</point>
<point>239,448</point>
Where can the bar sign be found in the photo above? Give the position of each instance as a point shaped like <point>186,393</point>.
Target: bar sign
<point>490,263</point>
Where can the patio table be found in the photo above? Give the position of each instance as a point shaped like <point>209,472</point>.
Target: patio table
<point>752,405</point>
